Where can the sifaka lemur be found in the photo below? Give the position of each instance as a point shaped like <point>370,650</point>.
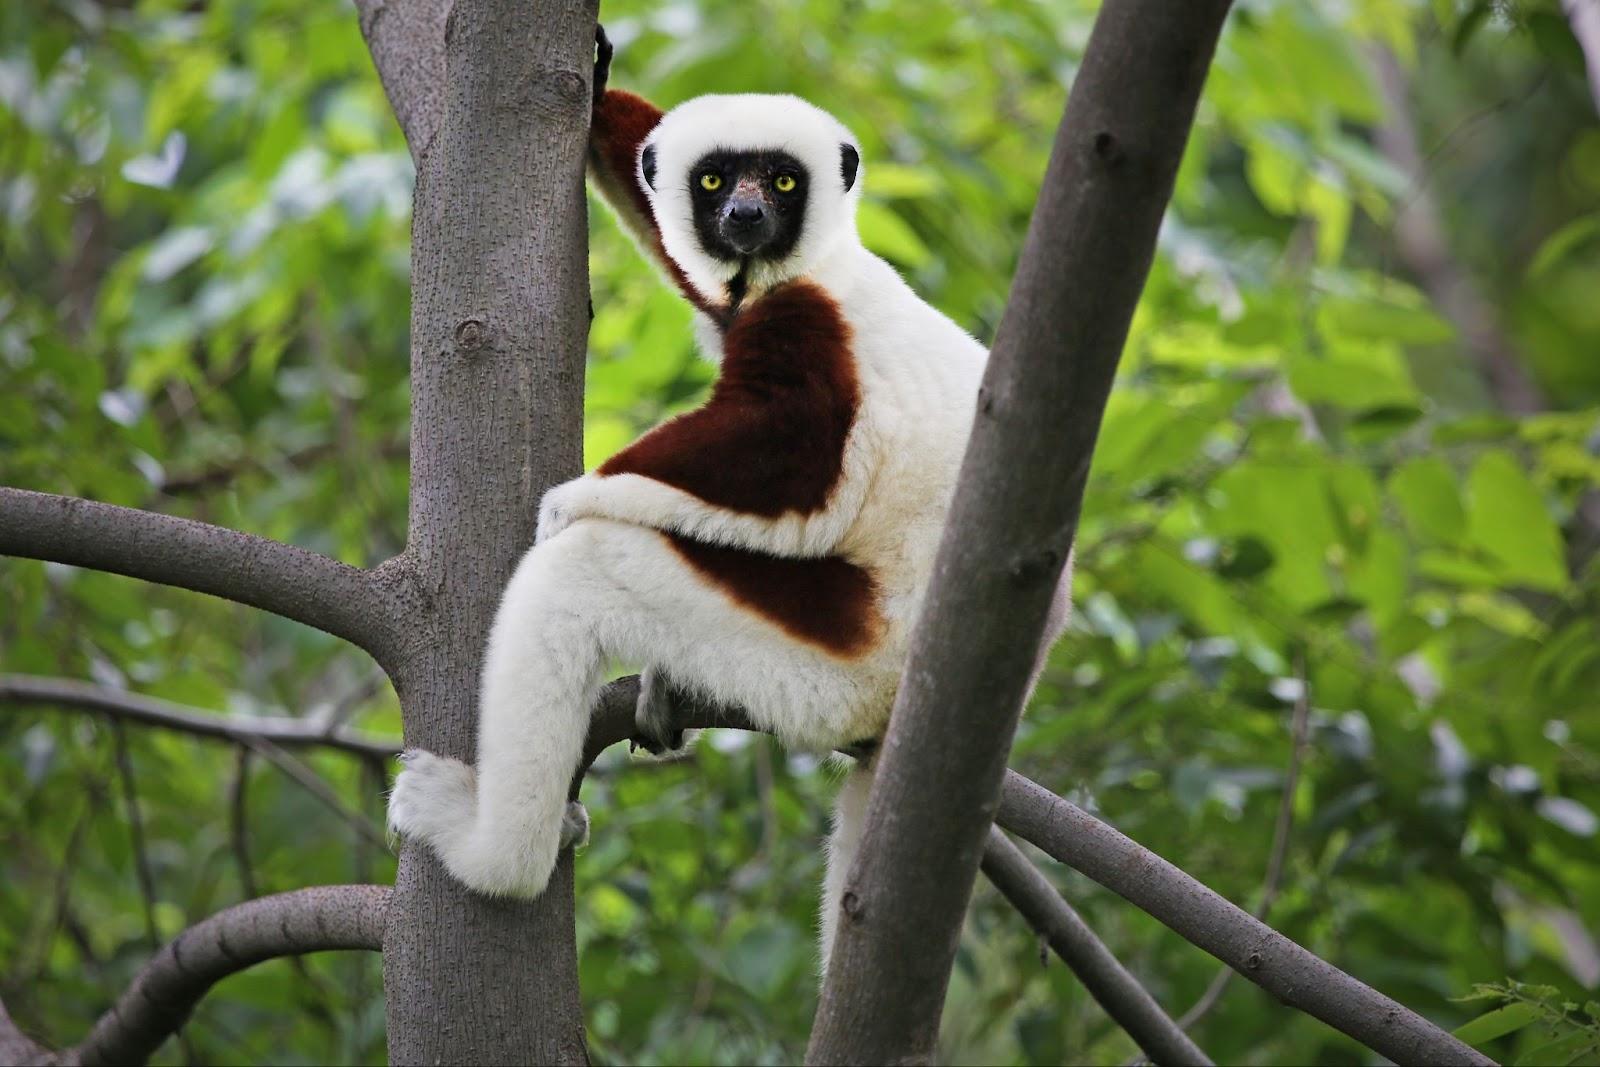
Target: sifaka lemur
<point>769,549</point>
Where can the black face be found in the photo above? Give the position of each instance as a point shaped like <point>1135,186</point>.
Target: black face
<point>748,204</point>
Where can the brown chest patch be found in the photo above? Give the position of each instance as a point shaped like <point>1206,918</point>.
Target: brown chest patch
<point>828,602</point>
<point>771,438</point>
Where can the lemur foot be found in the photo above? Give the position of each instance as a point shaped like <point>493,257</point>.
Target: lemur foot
<point>574,825</point>
<point>434,798</point>
<point>657,718</point>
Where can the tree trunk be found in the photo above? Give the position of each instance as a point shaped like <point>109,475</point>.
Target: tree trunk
<point>498,332</point>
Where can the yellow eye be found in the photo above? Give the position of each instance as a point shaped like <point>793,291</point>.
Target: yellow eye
<point>710,182</point>
<point>784,183</point>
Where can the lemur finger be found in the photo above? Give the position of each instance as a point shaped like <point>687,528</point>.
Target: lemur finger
<point>602,61</point>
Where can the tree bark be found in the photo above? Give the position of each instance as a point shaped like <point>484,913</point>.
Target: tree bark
<point>406,39</point>
<point>498,329</point>
<point>1010,529</point>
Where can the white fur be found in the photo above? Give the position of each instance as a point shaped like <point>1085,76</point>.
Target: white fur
<point>603,584</point>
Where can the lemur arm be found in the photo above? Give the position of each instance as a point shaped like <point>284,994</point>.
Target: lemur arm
<point>618,127</point>
<point>723,474</point>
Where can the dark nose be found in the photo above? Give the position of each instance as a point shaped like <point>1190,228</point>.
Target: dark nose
<point>746,212</point>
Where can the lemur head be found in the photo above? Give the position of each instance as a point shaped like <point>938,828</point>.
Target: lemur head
<point>751,190</point>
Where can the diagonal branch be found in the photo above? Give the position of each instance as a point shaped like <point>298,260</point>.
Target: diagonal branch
<point>149,711</point>
<point>1202,917</point>
<point>1117,991</point>
<point>1074,837</point>
<point>298,584</point>
<point>1010,528</point>
<point>167,989</point>
<point>406,39</point>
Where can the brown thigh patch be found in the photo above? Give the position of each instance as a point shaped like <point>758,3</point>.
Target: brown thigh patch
<point>828,602</point>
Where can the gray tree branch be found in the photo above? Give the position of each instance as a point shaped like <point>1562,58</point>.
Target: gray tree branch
<point>149,711</point>
<point>1011,526</point>
<point>1272,961</point>
<point>406,39</point>
<point>1117,991</point>
<point>167,989</point>
<point>304,586</point>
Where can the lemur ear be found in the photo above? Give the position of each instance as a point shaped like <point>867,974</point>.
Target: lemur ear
<point>849,161</point>
<point>647,164</point>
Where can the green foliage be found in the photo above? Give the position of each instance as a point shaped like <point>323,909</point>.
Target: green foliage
<point>1548,1028</point>
<point>203,293</point>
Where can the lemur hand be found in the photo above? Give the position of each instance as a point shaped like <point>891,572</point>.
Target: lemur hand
<point>559,509</point>
<point>602,61</point>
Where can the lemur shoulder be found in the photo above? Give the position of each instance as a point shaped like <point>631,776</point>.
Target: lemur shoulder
<point>769,549</point>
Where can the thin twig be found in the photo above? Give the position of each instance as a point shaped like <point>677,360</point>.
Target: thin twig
<point>238,818</point>
<point>150,711</point>
<point>141,857</point>
<point>313,783</point>
<point>1281,831</point>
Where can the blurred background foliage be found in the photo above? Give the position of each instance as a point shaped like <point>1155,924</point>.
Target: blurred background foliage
<point>1351,467</point>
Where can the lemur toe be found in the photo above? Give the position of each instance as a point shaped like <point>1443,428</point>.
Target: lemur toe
<point>656,718</point>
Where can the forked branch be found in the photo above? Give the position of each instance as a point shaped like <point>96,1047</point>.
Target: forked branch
<point>1072,836</point>
<point>1202,917</point>
<point>1106,979</point>
<point>298,584</point>
<point>406,39</point>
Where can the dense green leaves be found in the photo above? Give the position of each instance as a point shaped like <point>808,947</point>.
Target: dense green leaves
<point>203,310</point>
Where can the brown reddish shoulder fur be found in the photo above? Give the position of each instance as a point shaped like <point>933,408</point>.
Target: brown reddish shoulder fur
<point>619,126</point>
<point>829,602</point>
<point>771,438</point>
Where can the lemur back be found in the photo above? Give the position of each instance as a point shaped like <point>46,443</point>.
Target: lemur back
<point>769,549</point>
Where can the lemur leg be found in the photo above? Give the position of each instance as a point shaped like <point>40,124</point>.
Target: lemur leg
<point>849,817</point>
<point>596,592</point>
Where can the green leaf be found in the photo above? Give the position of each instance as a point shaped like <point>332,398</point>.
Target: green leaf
<point>1498,1023</point>
<point>1425,491</point>
<point>1563,243</point>
<point>1508,520</point>
<point>889,235</point>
